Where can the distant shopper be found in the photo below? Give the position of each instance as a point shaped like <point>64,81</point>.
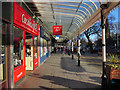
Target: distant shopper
<point>69,51</point>
<point>54,49</point>
<point>63,50</point>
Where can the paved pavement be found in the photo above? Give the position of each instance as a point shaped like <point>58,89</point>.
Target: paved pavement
<point>60,71</point>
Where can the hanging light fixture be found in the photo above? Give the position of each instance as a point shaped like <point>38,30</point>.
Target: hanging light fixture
<point>33,16</point>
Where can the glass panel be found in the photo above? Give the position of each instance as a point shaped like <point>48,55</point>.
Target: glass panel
<point>87,7</point>
<point>18,46</point>
<point>29,45</point>
<point>35,47</point>
<point>91,5</point>
<point>41,46</point>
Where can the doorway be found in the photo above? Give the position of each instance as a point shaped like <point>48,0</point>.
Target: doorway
<point>29,53</point>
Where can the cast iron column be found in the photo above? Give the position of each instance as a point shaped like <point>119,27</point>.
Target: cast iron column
<point>72,50</point>
<point>104,77</point>
<point>79,54</point>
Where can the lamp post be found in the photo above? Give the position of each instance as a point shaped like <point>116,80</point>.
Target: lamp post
<point>72,50</point>
<point>79,54</point>
<point>104,77</point>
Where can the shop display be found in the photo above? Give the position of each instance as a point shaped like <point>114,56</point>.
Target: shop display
<point>3,54</point>
<point>18,46</point>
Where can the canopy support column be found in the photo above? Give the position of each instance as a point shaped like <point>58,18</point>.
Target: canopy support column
<point>103,20</point>
<point>72,50</point>
<point>79,54</point>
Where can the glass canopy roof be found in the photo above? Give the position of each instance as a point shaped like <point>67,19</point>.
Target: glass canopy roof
<point>71,14</point>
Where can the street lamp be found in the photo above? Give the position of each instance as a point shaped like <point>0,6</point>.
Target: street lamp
<point>72,50</point>
<point>104,77</point>
<point>79,54</point>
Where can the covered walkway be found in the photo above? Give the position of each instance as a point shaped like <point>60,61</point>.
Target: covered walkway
<point>28,38</point>
<point>60,71</point>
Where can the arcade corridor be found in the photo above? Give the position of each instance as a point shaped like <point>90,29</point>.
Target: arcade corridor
<point>33,32</point>
<point>60,71</point>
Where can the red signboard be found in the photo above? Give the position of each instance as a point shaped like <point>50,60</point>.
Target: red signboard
<point>35,63</point>
<point>19,73</point>
<point>22,19</point>
<point>57,30</point>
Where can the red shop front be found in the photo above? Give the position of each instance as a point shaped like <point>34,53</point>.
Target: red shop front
<point>25,37</point>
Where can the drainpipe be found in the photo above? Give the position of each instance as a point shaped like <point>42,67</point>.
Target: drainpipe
<point>79,54</point>
<point>72,50</point>
<point>103,19</point>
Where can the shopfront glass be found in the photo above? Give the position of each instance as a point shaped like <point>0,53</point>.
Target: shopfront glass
<point>29,51</point>
<point>3,53</point>
<point>18,46</point>
<point>29,45</point>
<point>35,46</point>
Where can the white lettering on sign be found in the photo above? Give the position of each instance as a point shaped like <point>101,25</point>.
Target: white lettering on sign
<point>58,28</point>
<point>28,22</point>
<point>19,74</point>
<point>35,63</point>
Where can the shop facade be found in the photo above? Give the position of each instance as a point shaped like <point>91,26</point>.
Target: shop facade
<point>44,43</point>
<point>5,23</point>
<point>25,40</point>
<point>24,44</point>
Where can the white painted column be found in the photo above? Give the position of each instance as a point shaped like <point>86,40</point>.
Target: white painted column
<point>72,50</point>
<point>79,54</point>
<point>103,45</point>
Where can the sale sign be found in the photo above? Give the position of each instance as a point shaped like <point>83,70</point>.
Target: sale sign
<point>57,30</point>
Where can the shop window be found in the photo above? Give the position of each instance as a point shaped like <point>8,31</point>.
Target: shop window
<point>29,45</point>
<point>3,53</point>
<point>18,46</point>
<point>35,46</point>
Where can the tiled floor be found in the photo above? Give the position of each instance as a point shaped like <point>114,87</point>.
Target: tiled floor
<point>60,71</point>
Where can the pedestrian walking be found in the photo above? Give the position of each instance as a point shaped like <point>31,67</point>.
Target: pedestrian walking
<point>63,50</point>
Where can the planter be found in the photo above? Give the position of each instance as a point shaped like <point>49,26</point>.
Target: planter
<point>112,73</point>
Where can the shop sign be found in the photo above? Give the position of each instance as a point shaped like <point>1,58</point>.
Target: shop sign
<point>18,74</point>
<point>57,30</point>
<point>22,19</point>
<point>44,35</point>
<point>35,62</point>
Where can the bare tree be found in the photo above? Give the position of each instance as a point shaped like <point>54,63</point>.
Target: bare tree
<point>95,29</point>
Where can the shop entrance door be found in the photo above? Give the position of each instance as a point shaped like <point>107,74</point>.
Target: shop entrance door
<point>3,62</point>
<point>29,53</point>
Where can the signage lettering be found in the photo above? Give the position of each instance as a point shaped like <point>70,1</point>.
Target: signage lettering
<point>36,63</point>
<point>19,74</point>
<point>57,30</point>
<point>22,19</point>
<point>28,22</point>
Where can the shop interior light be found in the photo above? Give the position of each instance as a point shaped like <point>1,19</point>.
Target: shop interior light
<point>33,16</point>
<point>37,21</point>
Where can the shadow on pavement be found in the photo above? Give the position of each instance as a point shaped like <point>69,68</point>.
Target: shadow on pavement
<point>46,88</point>
<point>70,65</point>
<point>96,79</point>
<point>70,83</point>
